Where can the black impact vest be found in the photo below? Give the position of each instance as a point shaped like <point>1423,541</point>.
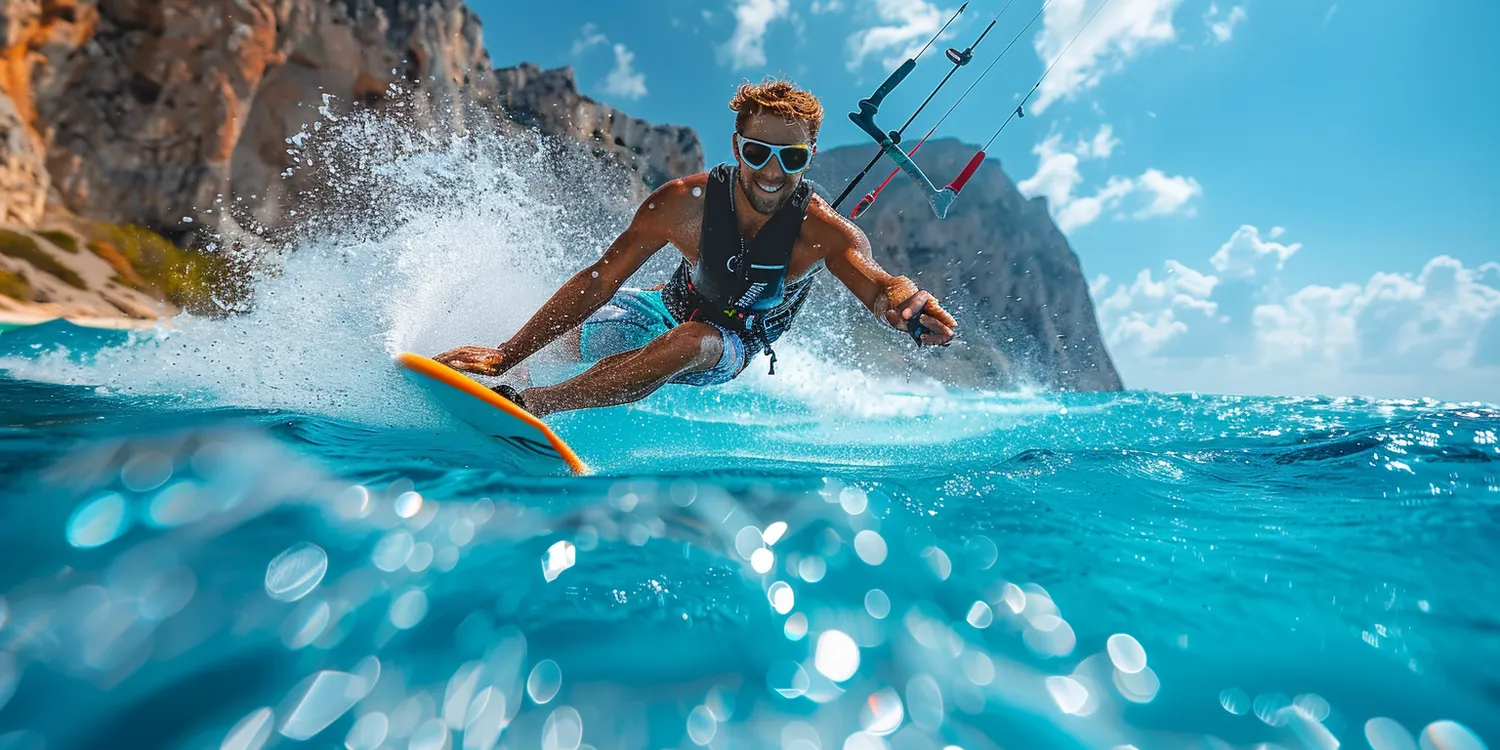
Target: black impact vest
<point>738,284</point>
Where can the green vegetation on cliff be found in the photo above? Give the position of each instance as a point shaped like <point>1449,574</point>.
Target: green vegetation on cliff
<point>14,285</point>
<point>150,263</point>
<point>17,245</point>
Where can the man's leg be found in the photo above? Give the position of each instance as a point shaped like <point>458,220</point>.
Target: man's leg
<point>631,376</point>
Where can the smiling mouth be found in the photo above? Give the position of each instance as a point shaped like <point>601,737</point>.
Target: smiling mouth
<point>768,188</point>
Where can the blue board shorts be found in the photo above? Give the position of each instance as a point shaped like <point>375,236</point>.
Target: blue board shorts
<point>633,317</point>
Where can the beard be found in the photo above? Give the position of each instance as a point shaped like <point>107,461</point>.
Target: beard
<point>760,201</point>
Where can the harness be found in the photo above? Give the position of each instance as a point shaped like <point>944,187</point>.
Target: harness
<point>739,285</point>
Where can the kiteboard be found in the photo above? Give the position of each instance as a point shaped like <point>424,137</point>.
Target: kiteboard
<point>528,440</point>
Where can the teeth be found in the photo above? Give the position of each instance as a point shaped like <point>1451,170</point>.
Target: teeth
<point>768,188</point>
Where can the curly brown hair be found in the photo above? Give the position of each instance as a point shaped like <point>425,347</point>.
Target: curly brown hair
<point>777,97</point>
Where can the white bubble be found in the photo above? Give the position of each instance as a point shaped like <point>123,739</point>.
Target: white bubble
<point>938,563</point>
<point>1138,687</point>
<point>482,510</point>
<point>781,596</point>
<point>701,726</point>
<point>430,735</point>
<point>1449,735</point>
<point>870,547</point>
<point>978,668</point>
<point>853,500</point>
<point>1268,708</point>
<point>883,713</point>
<point>1388,734</point>
<point>762,560</point>
<point>837,656</point>
<point>1014,598</point>
<point>98,522</point>
<point>408,609</point>
<point>446,558</point>
<point>486,720</point>
<point>1235,701</point>
<point>1069,694</point>
<point>774,532</point>
<point>747,541</point>
<point>163,593</point>
<point>982,550</point>
<point>368,733</point>
<point>462,532</point>
<point>460,694</point>
<point>393,550</point>
<point>980,615</point>
<point>924,702</point>
<point>796,627</point>
<point>697,192</point>
<point>421,557</point>
<point>146,471</point>
<point>544,681</point>
<point>563,729</point>
<point>1313,706</point>
<point>178,504</point>
<point>788,679</point>
<point>812,569</point>
<point>295,572</point>
<point>353,502</point>
<point>368,670</point>
<point>877,604</point>
<point>317,702</point>
<point>1126,653</point>
<point>560,556</point>
<point>251,732</point>
<point>305,624</point>
<point>1049,635</point>
<point>408,504</point>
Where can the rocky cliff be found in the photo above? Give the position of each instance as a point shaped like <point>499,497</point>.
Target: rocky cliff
<point>998,262</point>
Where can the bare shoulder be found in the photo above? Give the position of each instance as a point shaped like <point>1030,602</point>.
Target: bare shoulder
<point>828,228</point>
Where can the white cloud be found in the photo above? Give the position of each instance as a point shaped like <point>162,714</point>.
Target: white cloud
<point>746,47</point>
<point>1058,176</point>
<point>1222,29</point>
<point>588,38</point>
<point>1121,31</point>
<point>1276,232</point>
<point>1169,195</point>
<point>903,27</point>
<point>827,6</point>
<point>623,80</point>
<point>1432,333</point>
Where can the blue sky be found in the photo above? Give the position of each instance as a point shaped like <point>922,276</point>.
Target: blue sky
<point>1308,187</point>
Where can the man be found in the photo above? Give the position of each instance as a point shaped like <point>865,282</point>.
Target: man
<point>752,235</point>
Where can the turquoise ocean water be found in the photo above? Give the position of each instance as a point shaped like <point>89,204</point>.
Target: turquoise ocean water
<point>252,532</point>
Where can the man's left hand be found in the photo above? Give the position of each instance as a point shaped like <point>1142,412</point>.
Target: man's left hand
<point>939,324</point>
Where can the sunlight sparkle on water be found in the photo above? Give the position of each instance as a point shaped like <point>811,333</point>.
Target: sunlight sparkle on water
<point>812,569</point>
<point>701,725</point>
<point>883,713</point>
<point>317,702</point>
<point>560,556</point>
<point>146,471</point>
<point>774,532</point>
<point>877,604</point>
<point>368,733</point>
<point>796,627</point>
<point>837,656</point>
<point>980,615</point>
<point>1068,693</point>
<point>1235,701</point>
<point>408,609</point>
<point>762,560</point>
<point>408,504</point>
<point>393,550</point>
<point>788,679</point>
<point>295,572</point>
<point>782,597</point>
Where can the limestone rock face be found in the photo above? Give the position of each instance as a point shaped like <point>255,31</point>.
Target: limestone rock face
<point>23,169</point>
<point>549,101</point>
<point>151,110</point>
<point>998,262</point>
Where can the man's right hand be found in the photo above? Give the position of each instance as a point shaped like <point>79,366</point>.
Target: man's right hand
<point>480,360</point>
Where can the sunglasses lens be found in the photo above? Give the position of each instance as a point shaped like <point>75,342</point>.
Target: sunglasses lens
<point>756,155</point>
<point>794,159</point>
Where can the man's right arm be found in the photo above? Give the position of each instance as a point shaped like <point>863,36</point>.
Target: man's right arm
<point>586,291</point>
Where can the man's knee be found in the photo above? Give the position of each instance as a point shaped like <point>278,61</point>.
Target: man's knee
<point>695,342</point>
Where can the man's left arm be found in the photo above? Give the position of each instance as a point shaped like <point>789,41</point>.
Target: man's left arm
<point>893,299</point>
